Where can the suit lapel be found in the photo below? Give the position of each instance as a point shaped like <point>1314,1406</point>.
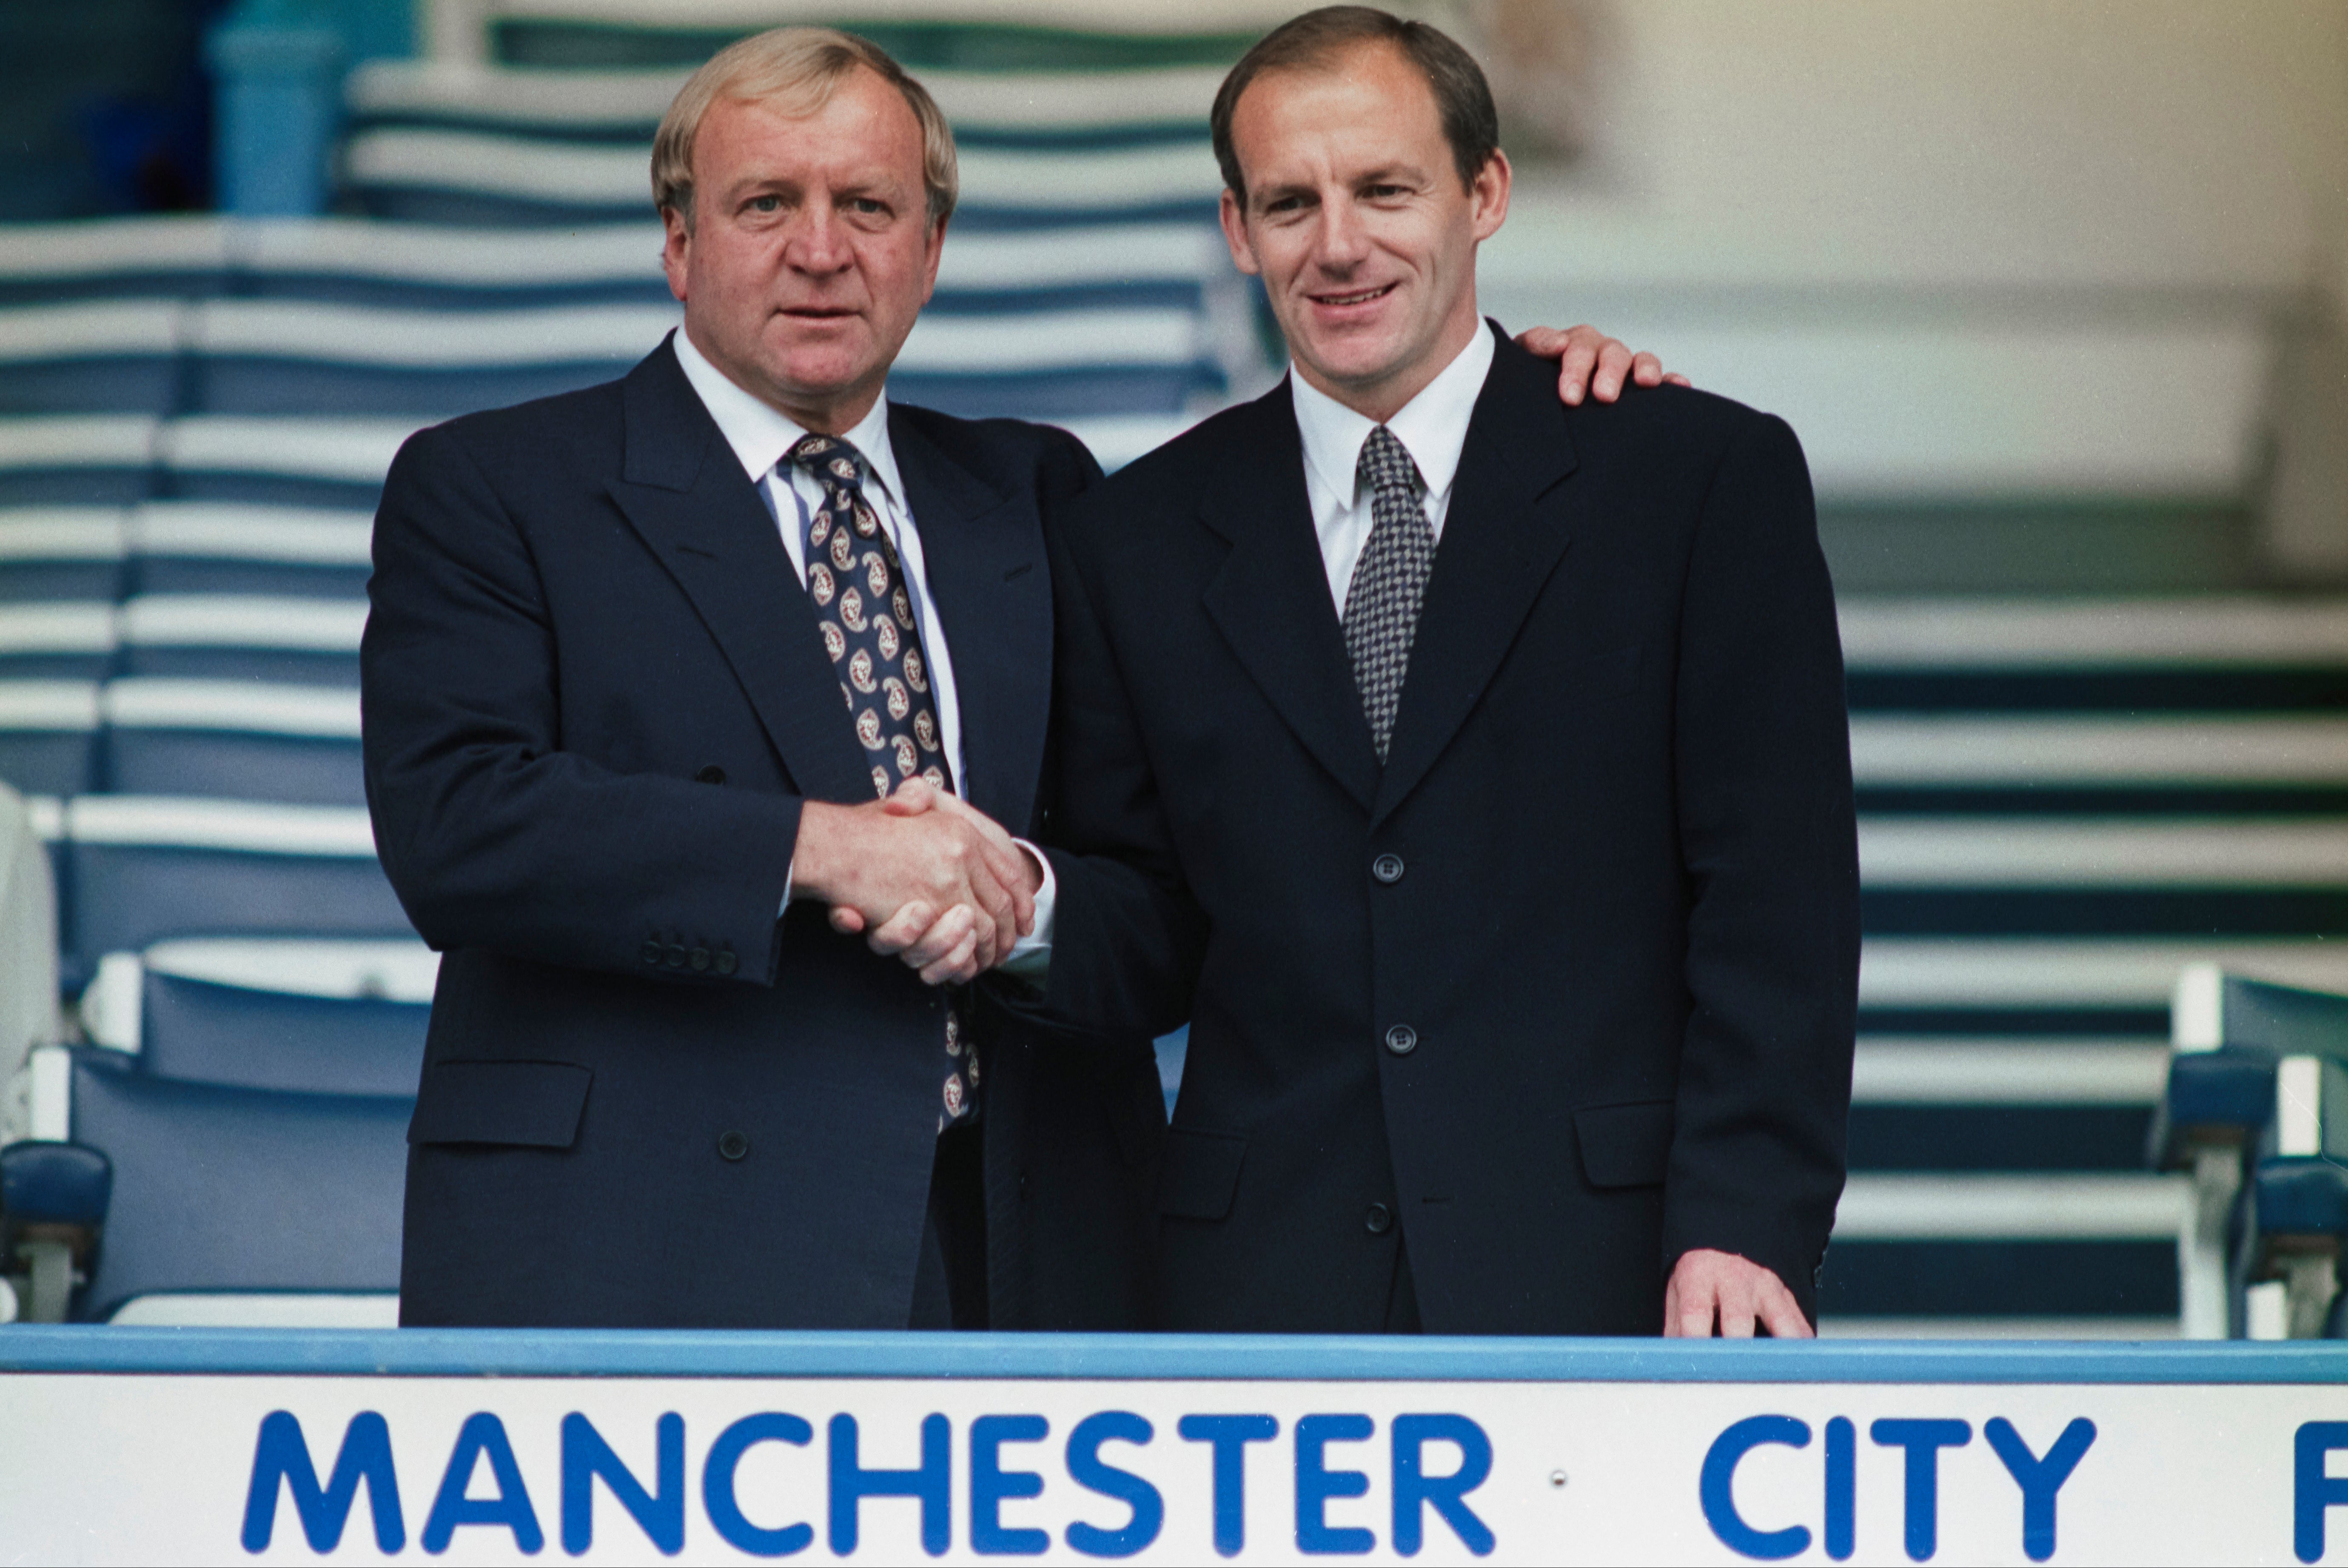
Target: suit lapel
<point>684,493</point>
<point>1502,538</point>
<point>1270,599</point>
<point>983,551</point>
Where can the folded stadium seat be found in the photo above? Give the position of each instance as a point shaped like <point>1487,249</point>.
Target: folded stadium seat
<point>146,258</point>
<point>186,1203</point>
<point>238,740</point>
<point>197,547</point>
<point>336,464</point>
<point>304,1015</point>
<point>97,356</point>
<point>70,640</point>
<point>2063,804</point>
<point>76,460</point>
<point>360,262</point>
<point>50,736</point>
<point>63,552</point>
<point>142,868</point>
<point>492,147</point>
<point>295,357</point>
<point>28,948</point>
<point>228,636</point>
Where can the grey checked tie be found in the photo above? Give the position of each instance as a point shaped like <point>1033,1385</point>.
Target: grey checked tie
<point>1389,581</point>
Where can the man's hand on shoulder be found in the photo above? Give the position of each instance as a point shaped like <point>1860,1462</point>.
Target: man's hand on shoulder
<point>1591,364</point>
<point>930,879</point>
<point>1719,1291</point>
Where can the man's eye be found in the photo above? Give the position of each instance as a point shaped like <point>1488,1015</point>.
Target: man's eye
<point>866,204</point>
<point>765,203</point>
<point>1386,192</point>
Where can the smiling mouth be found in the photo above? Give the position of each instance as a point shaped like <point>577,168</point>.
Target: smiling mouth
<point>1359,296</point>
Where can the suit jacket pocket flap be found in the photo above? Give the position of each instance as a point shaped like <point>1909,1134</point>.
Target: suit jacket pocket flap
<point>534,1104</point>
<point>1201,1173</point>
<point>1624,1145</point>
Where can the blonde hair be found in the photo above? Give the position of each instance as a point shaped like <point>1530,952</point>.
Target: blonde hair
<point>797,69</point>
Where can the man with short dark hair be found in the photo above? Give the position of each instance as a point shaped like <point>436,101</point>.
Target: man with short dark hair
<point>1471,772</point>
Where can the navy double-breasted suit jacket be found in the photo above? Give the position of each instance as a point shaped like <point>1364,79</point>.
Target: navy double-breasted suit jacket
<point>595,698</point>
<point>1563,989</point>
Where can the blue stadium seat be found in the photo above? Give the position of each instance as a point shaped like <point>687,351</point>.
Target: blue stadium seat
<point>336,464</point>
<point>103,357</point>
<point>302,1015</point>
<point>359,262</point>
<point>197,547</point>
<point>244,740</point>
<point>105,459</point>
<point>217,1190</point>
<point>48,736</point>
<point>142,869</point>
<point>275,357</point>
<point>223,637</point>
<point>62,552</point>
<point>66,640</point>
<point>124,258</point>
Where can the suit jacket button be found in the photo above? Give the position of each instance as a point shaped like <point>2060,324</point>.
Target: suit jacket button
<point>713,774</point>
<point>675,956</point>
<point>699,959</point>
<point>1388,869</point>
<point>724,960</point>
<point>732,1145</point>
<point>652,952</point>
<point>1379,1220</point>
<point>1402,1040</point>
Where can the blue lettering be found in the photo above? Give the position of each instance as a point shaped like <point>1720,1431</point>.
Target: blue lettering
<point>1842,1488</point>
<point>586,1456</point>
<point>1716,1486</point>
<point>365,1456</point>
<point>1316,1485</point>
<point>1924,1440</point>
<point>482,1433</point>
<point>990,1484</point>
<point>932,1483</point>
<point>717,1495</point>
<point>1088,1470</point>
<point>2312,1491</point>
<point>1414,1489</point>
<point>1231,1435</point>
<point>2039,1479</point>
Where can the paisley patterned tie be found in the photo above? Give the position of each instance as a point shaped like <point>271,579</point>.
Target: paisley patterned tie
<point>1389,581</point>
<point>865,610</point>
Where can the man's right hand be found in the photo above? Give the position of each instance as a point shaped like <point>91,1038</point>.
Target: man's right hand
<point>871,861</point>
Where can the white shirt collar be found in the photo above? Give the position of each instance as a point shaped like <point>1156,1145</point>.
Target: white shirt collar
<point>760,435</point>
<point>1431,427</point>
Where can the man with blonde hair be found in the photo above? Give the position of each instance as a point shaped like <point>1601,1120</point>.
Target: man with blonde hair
<point>671,686</point>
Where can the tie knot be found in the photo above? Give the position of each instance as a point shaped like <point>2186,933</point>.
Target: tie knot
<point>826,457</point>
<point>1386,465</point>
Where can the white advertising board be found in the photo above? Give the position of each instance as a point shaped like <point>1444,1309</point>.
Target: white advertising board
<point>353,1447</point>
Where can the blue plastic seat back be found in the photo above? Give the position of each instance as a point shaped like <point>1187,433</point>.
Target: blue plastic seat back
<point>181,548</point>
<point>140,872</point>
<point>235,764</point>
<point>101,356</point>
<point>76,460</point>
<point>239,1188</point>
<point>299,1016</point>
<point>62,553</point>
<point>2284,1020</point>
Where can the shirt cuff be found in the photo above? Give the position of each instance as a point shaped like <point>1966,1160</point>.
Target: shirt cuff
<point>1030,959</point>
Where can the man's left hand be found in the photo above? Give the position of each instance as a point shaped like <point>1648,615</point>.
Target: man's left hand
<point>1712,1291</point>
<point>1592,364</point>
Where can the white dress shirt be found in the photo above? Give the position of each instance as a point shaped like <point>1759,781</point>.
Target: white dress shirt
<point>761,437</point>
<point>1431,427</point>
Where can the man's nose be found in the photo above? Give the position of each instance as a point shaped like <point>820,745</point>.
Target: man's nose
<point>817,243</point>
<point>1341,240</point>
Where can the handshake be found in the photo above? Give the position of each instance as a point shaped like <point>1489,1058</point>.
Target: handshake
<point>924,876</point>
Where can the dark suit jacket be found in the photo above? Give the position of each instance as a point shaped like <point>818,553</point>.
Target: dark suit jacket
<point>1563,990</point>
<point>595,698</point>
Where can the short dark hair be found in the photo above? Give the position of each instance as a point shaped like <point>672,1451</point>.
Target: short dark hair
<point>1462,96</point>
